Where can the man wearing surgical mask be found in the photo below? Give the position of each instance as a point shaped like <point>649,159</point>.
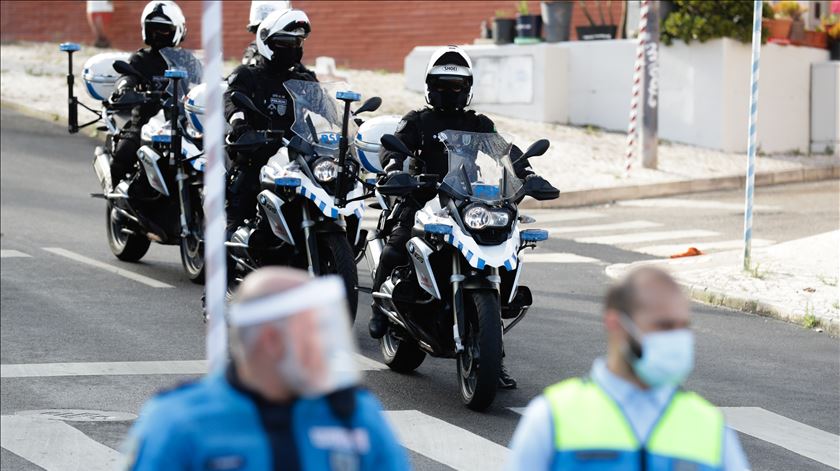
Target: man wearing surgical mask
<point>631,413</point>
<point>288,400</point>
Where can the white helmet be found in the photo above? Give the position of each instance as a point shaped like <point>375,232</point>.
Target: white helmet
<point>287,27</point>
<point>163,24</point>
<point>449,79</point>
<point>261,9</point>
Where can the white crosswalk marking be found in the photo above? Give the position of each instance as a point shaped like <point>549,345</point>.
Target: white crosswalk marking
<point>54,445</point>
<point>671,249</point>
<point>639,237</point>
<point>109,268</point>
<point>186,367</point>
<point>617,226</point>
<point>797,437</point>
<point>9,253</point>
<point>531,257</point>
<point>446,443</point>
<point>691,204</point>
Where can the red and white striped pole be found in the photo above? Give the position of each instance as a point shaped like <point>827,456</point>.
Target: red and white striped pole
<point>632,126</point>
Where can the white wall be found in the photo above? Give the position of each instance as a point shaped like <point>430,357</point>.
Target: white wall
<point>704,88</point>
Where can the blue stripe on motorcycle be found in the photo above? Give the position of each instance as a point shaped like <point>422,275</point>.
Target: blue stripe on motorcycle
<point>480,264</point>
<point>508,265</point>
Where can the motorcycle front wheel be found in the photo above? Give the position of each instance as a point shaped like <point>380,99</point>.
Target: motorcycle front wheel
<point>336,257</point>
<point>126,246</point>
<point>481,361</point>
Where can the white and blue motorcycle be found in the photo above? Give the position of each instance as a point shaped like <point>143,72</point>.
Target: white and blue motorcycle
<point>460,291</point>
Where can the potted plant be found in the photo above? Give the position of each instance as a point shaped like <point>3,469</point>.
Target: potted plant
<point>791,11</point>
<point>528,26</point>
<point>504,27</point>
<point>595,31</point>
<point>831,26</point>
<point>557,20</point>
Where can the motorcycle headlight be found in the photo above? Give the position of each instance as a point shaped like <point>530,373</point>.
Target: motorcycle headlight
<point>479,217</point>
<point>325,170</point>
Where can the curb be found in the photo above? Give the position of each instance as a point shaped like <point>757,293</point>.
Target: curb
<point>732,182</point>
<point>719,298</point>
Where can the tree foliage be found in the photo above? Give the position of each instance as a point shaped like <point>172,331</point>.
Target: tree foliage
<point>699,20</point>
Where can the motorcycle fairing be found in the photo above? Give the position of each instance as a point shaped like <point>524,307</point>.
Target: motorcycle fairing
<point>478,256</point>
<point>272,205</point>
<point>312,191</point>
<point>149,158</point>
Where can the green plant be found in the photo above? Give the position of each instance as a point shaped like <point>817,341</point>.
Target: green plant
<point>836,305</point>
<point>503,14</point>
<point>756,272</point>
<point>767,11</point>
<point>704,20</point>
<point>830,25</point>
<point>827,280</point>
<point>789,9</point>
<point>809,320</point>
<point>522,7</point>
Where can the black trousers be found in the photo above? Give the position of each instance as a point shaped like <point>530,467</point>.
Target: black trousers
<point>242,190</point>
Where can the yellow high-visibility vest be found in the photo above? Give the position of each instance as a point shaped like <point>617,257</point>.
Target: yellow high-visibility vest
<point>592,433</point>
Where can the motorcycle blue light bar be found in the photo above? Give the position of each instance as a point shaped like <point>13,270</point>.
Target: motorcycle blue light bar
<point>350,96</point>
<point>533,235</point>
<point>69,47</point>
<point>175,73</point>
<point>165,138</point>
<point>291,182</point>
<point>443,229</point>
<point>487,192</point>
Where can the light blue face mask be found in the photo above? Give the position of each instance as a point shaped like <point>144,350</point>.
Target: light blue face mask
<point>667,357</point>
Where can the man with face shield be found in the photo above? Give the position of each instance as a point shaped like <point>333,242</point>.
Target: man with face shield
<point>260,9</point>
<point>279,40</point>
<point>631,411</point>
<point>288,399</point>
<point>162,25</point>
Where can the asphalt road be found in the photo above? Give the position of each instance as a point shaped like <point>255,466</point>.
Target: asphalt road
<point>57,310</point>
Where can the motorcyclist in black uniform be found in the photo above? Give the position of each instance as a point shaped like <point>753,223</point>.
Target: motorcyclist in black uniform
<point>163,26</point>
<point>448,91</point>
<point>280,45</point>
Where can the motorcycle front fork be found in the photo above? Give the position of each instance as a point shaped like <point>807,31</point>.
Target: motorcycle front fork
<point>311,242</point>
<point>457,280</point>
<point>183,191</point>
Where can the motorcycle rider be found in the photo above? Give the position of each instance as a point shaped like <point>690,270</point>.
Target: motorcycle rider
<point>260,9</point>
<point>449,83</point>
<point>279,41</point>
<point>162,25</point>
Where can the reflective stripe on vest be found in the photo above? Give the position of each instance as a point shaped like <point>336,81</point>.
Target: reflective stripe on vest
<point>591,432</point>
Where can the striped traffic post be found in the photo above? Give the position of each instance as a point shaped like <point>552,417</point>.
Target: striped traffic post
<point>637,88</point>
<point>215,266</point>
<point>751,139</point>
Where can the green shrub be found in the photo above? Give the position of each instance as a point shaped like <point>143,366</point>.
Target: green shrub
<point>699,20</point>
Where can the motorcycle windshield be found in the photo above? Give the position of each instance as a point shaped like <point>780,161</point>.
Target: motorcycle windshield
<point>479,167</point>
<point>318,114</point>
<point>182,59</point>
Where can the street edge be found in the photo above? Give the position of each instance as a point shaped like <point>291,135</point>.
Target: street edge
<point>712,297</point>
<point>611,194</point>
<point>52,118</point>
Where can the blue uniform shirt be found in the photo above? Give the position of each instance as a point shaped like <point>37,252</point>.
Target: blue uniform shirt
<point>532,446</point>
<point>212,425</point>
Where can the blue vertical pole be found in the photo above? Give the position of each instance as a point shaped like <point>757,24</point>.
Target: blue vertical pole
<point>748,211</point>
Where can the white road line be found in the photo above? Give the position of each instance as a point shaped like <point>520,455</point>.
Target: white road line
<point>518,410</point>
<point>560,257</point>
<point>797,437</point>
<point>617,226</point>
<point>446,443</point>
<point>639,237</point>
<point>184,367</point>
<point>692,204</point>
<point>9,253</point>
<point>544,217</point>
<point>109,268</point>
<point>668,250</point>
<point>54,445</point>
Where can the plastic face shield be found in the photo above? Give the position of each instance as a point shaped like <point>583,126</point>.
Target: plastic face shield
<point>320,354</point>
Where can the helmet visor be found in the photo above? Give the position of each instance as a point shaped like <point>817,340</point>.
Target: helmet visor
<point>449,83</point>
<point>159,32</point>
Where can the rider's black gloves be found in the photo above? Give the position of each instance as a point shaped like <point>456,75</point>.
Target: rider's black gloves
<point>238,129</point>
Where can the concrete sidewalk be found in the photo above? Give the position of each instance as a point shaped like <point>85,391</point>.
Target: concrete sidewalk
<point>795,281</point>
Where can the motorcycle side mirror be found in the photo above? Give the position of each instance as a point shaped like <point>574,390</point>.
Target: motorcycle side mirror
<point>537,148</point>
<point>394,144</point>
<point>397,185</point>
<point>371,104</point>
<point>124,68</point>
<point>242,101</point>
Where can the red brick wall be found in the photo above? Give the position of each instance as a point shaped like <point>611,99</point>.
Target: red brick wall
<point>360,34</point>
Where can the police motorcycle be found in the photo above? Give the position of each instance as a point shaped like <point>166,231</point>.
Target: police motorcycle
<point>169,159</point>
<point>460,292</point>
<point>311,196</point>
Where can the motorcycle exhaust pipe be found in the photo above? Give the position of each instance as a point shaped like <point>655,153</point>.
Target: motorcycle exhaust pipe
<point>102,167</point>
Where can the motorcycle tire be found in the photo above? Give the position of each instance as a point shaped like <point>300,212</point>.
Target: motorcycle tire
<point>192,259</point>
<point>400,355</point>
<point>481,361</point>
<point>126,247</point>
<point>336,257</point>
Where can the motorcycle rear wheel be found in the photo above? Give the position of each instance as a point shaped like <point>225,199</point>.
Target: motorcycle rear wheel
<point>481,361</point>
<point>192,258</point>
<point>336,257</point>
<point>400,356</point>
<point>126,247</point>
